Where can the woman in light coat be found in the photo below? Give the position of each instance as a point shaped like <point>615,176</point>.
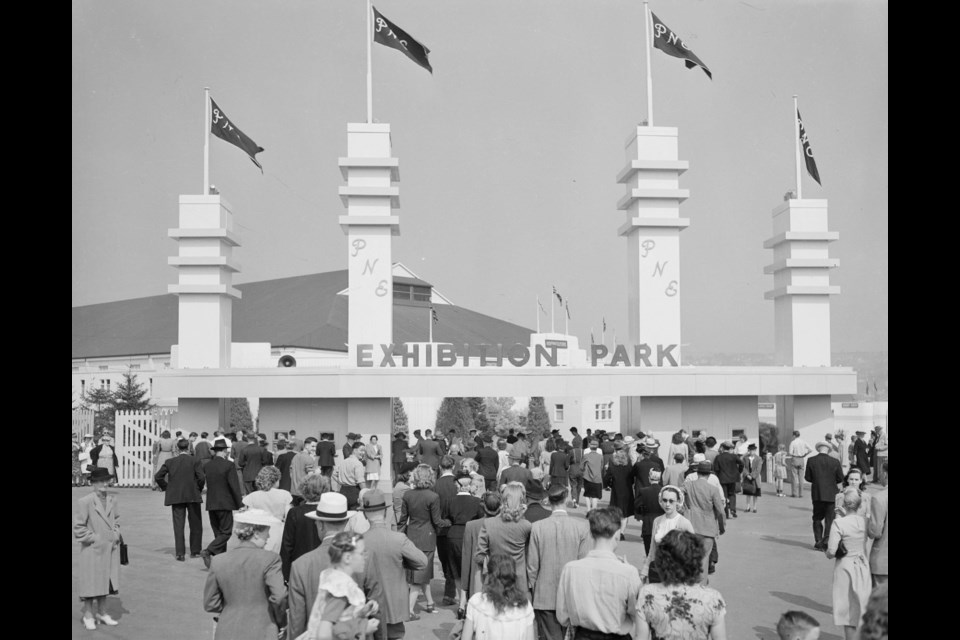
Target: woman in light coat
<point>851,573</point>
<point>96,526</point>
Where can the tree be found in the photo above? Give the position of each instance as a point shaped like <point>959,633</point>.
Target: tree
<point>537,419</point>
<point>400,421</point>
<point>478,411</point>
<point>130,395</point>
<point>240,417</point>
<point>500,412</point>
<point>454,413</point>
<point>101,402</point>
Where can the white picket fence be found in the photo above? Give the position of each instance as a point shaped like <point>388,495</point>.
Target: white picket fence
<point>135,434</point>
<point>82,423</point>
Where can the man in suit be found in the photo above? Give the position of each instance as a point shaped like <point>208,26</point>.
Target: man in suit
<point>389,554</point>
<point>647,507</point>
<point>295,444</point>
<point>446,489</point>
<point>824,474</point>
<point>705,512</point>
<point>861,453</point>
<point>675,473</point>
<point>515,472</point>
<point>877,529</point>
<point>554,542</point>
<point>488,462</point>
<point>301,466</point>
<point>728,468</point>
<point>397,454</point>
<point>535,494</point>
<point>430,451</point>
<point>331,516</point>
<point>223,498</point>
<point>326,454</point>
<point>284,459</point>
<point>239,444</point>
<point>201,449</point>
<point>186,480</point>
<point>254,457</point>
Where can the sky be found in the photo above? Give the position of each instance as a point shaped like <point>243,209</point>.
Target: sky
<point>508,152</point>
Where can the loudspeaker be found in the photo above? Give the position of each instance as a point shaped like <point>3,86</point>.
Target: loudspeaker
<point>287,361</point>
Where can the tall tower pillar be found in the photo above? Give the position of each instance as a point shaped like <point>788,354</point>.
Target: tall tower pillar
<point>205,266</point>
<point>652,230</point>
<point>801,297</point>
<point>369,225</point>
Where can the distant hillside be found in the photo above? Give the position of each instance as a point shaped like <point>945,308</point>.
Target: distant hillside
<point>871,367</point>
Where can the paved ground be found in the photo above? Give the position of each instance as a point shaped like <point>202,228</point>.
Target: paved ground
<point>766,567</point>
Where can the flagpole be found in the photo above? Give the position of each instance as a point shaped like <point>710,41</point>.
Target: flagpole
<point>646,21</point>
<point>551,309</point>
<point>370,73</point>
<point>566,321</point>
<point>206,141</point>
<point>538,314</point>
<point>603,332</point>
<point>796,142</point>
<point>430,322</point>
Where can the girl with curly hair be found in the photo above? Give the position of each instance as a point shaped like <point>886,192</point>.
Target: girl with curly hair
<point>680,608</point>
<point>502,609</point>
<point>271,499</point>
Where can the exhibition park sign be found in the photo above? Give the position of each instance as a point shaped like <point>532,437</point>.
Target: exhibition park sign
<point>518,355</point>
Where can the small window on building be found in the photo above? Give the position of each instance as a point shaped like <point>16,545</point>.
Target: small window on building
<point>603,411</point>
<point>83,387</point>
<point>104,367</point>
<point>134,366</point>
<point>558,413</point>
<point>401,291</point>
<point>76,369</point>
<point>151,387</point>
<point>738,432</point>
<point>421,294</point>
<point>105,384</point>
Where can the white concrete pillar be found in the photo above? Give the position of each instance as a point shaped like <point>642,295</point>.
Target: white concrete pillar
<point>205,266</point>
<point>801,282</point>
<point>652,229</point>
<point>369,225</point>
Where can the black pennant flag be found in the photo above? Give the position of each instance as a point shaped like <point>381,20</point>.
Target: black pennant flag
<point>808,152</point>
<point>670,43</point>
<point>221,127</point>
<point>389,34</point>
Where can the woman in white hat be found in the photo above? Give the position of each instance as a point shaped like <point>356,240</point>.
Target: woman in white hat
<point>245,584</point>
<point>96,527</point>
<point>271,499</point>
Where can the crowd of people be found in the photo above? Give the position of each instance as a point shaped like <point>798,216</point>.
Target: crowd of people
<point>317,551</point>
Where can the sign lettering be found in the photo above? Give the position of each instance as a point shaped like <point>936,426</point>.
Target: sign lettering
<point>381,289</point>
<point>358,244</point>
<point>368,268</point>
<point>671,289</point>
<point>647,246</point>
<point>658,270</point>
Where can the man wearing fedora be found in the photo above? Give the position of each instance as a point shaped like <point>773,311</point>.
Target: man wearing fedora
<point>223,498</point>
<point>254,457</point>
<point>535,494</point>
<point>331,516</point>
<point>389,555</point>
<point>824,474</point>
<point>705,512</point>
<point>182,494</point>
<point>861,453</point>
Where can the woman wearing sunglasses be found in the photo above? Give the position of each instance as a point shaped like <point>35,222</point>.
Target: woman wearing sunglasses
<point>671,500</point>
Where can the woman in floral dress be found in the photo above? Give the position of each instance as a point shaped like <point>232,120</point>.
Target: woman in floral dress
<point>680,608</point>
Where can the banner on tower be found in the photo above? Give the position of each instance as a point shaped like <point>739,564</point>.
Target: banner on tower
<point>808,152</point>
<point>221,127</point>
<point>670,43</point>
<point>390,35</point>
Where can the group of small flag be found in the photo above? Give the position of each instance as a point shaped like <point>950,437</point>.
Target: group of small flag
<point>389,34</point>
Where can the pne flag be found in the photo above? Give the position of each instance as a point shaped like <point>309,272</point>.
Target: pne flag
<point>670,43</point>
<point>389,34</point>
<point>221,127</point>
<point>808,152</point>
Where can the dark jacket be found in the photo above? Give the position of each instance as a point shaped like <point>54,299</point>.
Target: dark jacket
<point>203,452</point>
<point>326,453</point>
<point>223,486</point>
<point>824,474</point>
<point>252,459</point>
<point>445,488</point>
<point>489,462</point>
<point>185,482</point>
<point>283,464</point>
<point>641,471</point>
<point>420,518</point>
<point>430,452</point>
<point>559,464</point>
<point>648,507</point>
<point>728,467</point>
<point>861,458</point>
<point>300,536</point>
<point>535,512</point>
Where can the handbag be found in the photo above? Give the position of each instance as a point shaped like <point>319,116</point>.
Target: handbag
<point>748,486</point>
<point>124,557</point>
<point>841,550</point>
